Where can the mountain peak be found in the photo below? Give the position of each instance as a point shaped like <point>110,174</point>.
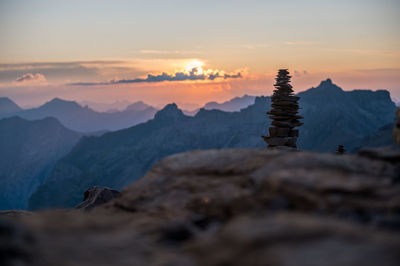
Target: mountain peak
<point>169,112</point>
<point>60,103</point>
<point>137,106</point>
<point>8,106</point>
<point>328,81</point>
<point>329,85</point>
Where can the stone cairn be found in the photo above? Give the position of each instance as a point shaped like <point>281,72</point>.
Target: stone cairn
<point>340,150</point>
<point>396,129</point>
<point>284,109</point>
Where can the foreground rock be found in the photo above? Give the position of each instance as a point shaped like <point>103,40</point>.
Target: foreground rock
<point>96,196</point>
<point>235,207</point>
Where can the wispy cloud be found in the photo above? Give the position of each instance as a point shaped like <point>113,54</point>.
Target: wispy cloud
<point>29,77</point>
<point>192,75</point>
<point>69,71</point>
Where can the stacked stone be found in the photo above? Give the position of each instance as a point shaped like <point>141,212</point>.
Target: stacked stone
<point>283,113</point>
<point>340,150</point>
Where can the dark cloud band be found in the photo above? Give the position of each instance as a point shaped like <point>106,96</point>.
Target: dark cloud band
<point>178,76</point>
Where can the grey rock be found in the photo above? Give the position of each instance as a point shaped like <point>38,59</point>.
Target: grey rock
<point>235,207</point>
<point>96,196</point>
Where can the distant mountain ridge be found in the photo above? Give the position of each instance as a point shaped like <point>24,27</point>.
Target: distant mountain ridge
<point>233,105</point>
<point>8,106</point>
<point>28,151</point>
<point>331,117</point>
<point>106,107</point>
<point>138,106</point>
<point>83,119</point>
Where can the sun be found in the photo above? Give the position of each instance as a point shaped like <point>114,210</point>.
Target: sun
<point>194,64</point>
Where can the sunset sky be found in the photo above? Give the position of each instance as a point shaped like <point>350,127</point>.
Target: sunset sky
<point>103,50</point>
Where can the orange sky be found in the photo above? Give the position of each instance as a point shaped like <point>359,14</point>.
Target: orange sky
<point>46,45</point>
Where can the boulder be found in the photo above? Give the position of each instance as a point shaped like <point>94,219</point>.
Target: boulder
<point>235,207</point>
<point>96,196</point>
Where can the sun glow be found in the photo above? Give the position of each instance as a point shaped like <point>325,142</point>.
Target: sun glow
<point>195,64</point>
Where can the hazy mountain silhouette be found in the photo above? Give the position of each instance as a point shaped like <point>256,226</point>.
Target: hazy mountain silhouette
<point>106,107</point>
<point>138,106</point>
<point>8,106</point>
<point>233,105</point>
<point>84,119</point>
<point>28,151</point>
<point>115,159</point>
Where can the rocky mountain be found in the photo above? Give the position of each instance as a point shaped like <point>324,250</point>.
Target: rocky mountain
<point>28,152</point>
<point>384,137</point>
<point>333,116</point>
<point>233,105</point>
<point>228,207</point>
<point>106,107</point>
<point>83,119</point>
<point>8,106</point>
<point>138,106</point>
<point>115,159</point>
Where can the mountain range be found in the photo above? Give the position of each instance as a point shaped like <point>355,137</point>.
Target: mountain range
<point>233,105</point>
<point>28,152</point>
<point>7,106</point>
<point>106,107</point>
<point>83,119</point>
<point>331,117</point>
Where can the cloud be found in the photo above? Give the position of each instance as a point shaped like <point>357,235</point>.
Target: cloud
<point>74,71</point>
<point>29,77</point>
<point>193,75</point>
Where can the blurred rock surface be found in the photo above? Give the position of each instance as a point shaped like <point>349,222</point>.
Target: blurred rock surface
<point>234,207</point>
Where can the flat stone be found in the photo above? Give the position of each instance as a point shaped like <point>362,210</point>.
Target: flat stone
<point>274,141</point>
<point>279,131</point>
<point>286,124</point>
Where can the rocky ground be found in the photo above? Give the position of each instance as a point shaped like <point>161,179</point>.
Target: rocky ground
<point>227,207</point>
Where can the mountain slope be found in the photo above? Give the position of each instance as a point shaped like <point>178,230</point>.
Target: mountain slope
<point>8,106</point>
<point>115,159</point>
<point>138,106</point>
<point>333,116</point>
<point>84,119</point>
<point>384,137</point>
<point>232,105</point>
<point>28,151</point>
